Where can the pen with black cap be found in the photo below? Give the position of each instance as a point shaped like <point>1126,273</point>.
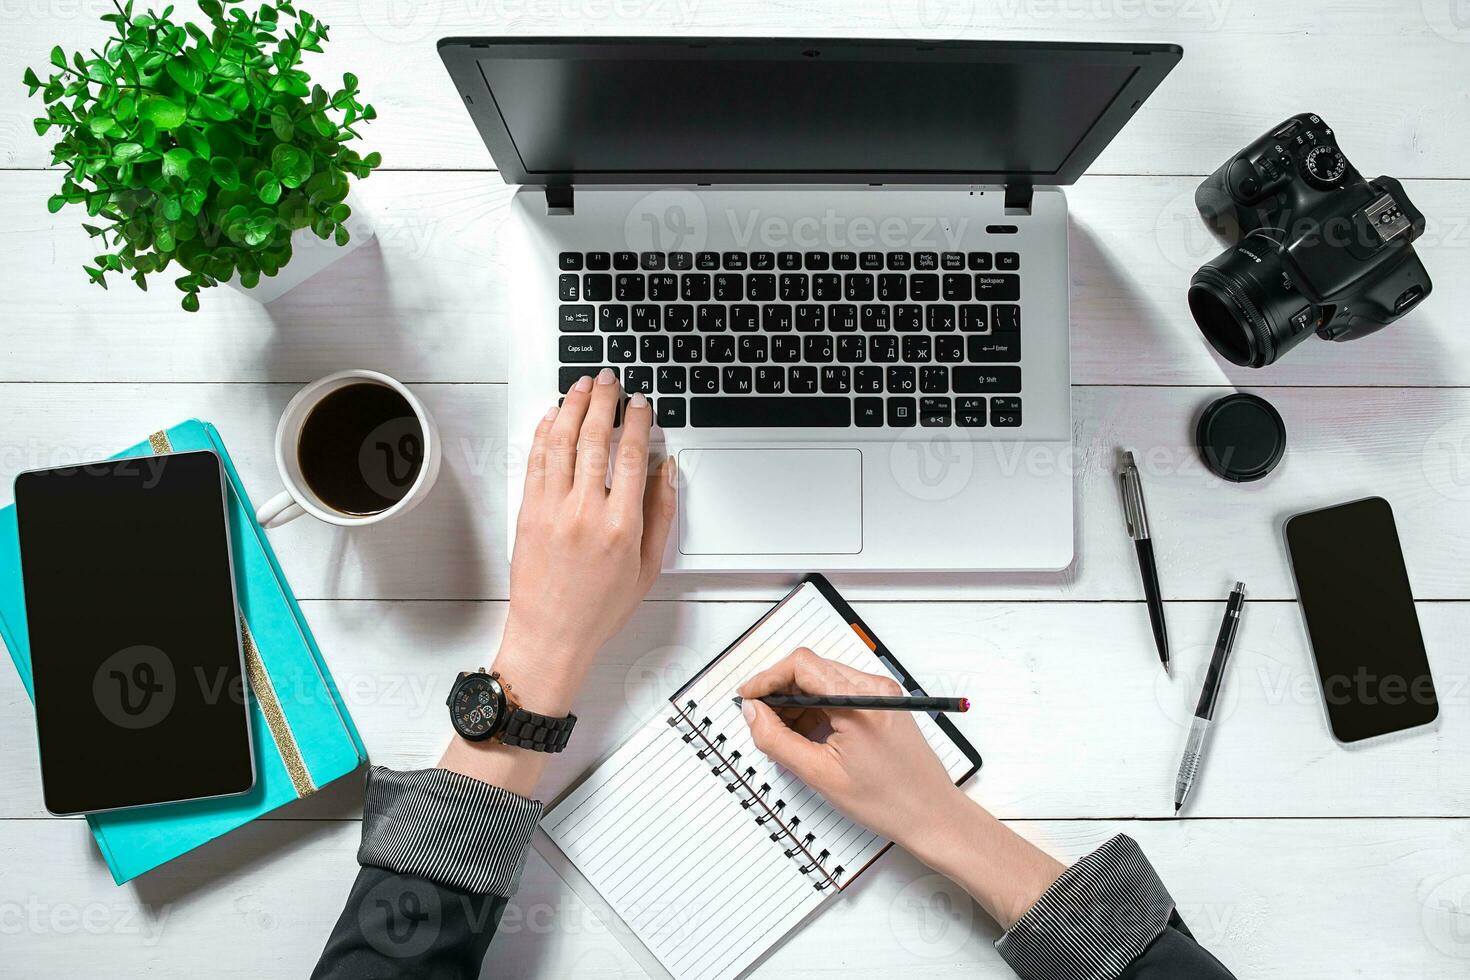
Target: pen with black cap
<point>1204,712</point>
<point>1137,517</point>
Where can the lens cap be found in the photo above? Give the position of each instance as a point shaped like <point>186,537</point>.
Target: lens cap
<point>1240,437</point>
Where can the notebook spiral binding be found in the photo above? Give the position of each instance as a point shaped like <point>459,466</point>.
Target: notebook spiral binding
<point>756,796</point>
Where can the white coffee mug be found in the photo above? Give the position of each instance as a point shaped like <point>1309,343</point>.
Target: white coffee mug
<point>298,498</point>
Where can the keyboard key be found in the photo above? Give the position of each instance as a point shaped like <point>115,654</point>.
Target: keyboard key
<point>817,261</point>
<point>707,261</point>
<point>924,287</point>
<point>972,318</point>
<point>762,261</point>
<point>576,319</point>
<point>844,261</point>
<point>1007,318</point>
<point>870,261</point>
<point>1007,261</point>
<point>600,261</point>
<point>785,348</point>
<point>569,261</point>
<point>678,318</point>
<point>934,379</point>
<point>776,318</point>
<point>736,380</point>
<point>760,411</point>
<point>624,260</point>
<point>734,260</point>
<point>995,348</point>
<point>952,261</point>
<point>810,317</point>
<point>671,380</point>
<point>893,287</point>
<point>926,261</point>
<point>647,318</point>
<point>581,350</point>
<point>842,317</point>
<point>918,348</point>
<point>901,412</point>
<point>902,380</point>
<point>637,378</point>
<point>794,286</point>
<point>970,412</point>
<point>760,287</point>
<point>867,412</point>
<point>686,349</point>
<point>867,379</point>
<point>653,350</point>
<point>651,261</point>
<point>934,412</point>
<point>681,261</point>
<point>941,318</point>
<point>874,317</point>
<point>950,349</point>
<point>852,348</point>
<point>663,287</point>
<point>898,261</point>
<point>745,317</point>
<point>955,288</point>
<point>788,261</point>
<point>669,413</point>
<point>694,287</point>
<point>883,349</point>
<point>753,349</point>
<point>996,287</point>
<point>826,287</point>
<point>858,287</point>
<point>770,380</point>
<point>612,318</point>
<point>968,380</point>
<point>729,287</point>
<point>567,376</point>
<point>628,287</point>
<point>836,380</point>
<point>802,380</point>
<point>622,349</point>
<point>566,288</point>
<point>980,262</point>
<point>704,380</point>
<point>819,349</point>
<point>1005,412</point>
<point>720,349</point>
<point>908,318</point>
<point>597,287</point>
<point>710,318</point>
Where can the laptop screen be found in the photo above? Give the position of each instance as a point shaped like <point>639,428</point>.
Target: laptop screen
<point>772,108</point>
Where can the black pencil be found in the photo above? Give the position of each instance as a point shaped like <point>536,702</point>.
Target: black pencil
<point>862,701</point>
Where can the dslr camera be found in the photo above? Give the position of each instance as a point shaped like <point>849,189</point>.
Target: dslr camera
<point>1318,249</point>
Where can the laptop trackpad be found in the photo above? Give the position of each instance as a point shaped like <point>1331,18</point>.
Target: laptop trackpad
<point>770,501</point>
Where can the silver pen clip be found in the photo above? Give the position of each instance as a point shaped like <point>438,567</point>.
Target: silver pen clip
<point>1133,510</point>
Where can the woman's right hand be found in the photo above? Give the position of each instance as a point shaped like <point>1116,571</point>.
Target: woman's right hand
<point>874,766</point>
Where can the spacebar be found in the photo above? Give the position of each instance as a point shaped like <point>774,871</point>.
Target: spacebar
<point>784,411</point>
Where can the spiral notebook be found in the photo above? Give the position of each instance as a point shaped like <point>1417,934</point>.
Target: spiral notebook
<point>702,852</point>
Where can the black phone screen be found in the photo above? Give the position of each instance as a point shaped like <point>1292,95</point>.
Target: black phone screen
<point>135,647</point>
<point>1355,596</point>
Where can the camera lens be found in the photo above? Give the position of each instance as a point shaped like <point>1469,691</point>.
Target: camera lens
<point>1244,304</point>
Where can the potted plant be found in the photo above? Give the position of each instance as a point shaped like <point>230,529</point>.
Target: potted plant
<point>205,147</point>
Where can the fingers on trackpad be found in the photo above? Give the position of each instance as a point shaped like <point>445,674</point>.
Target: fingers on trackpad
<point>771,501</point>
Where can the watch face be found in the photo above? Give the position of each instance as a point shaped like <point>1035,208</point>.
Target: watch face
<point>476,705</point>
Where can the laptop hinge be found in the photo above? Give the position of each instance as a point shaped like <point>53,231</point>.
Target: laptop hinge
<point>1018,199</point>
<point>559,200</point>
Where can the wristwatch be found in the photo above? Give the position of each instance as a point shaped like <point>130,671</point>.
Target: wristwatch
<point>481,707</point>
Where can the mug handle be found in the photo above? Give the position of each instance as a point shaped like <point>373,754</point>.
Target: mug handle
<point>280,509</point>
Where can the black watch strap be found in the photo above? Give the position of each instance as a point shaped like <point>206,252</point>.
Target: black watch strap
<point>528,730</point>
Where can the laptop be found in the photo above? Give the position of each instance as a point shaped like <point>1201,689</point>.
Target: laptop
<point>838,268</point>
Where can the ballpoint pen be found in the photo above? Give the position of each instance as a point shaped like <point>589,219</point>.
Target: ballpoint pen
<point>1137,517</point>
<point>1204,712</point>
<point>869,702</point>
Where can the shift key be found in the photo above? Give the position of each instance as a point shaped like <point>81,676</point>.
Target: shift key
<point>973,379</point>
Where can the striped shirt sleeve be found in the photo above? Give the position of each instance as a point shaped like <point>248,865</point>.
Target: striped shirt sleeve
<point>448,828</point>
<point>1094,921</point>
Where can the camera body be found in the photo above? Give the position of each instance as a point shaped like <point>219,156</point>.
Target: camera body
<point>1318,248</point>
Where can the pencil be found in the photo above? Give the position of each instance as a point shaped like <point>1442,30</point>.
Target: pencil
<point>862,701</point>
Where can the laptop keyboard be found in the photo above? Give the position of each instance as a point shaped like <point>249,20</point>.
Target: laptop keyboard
<point>799,339</point>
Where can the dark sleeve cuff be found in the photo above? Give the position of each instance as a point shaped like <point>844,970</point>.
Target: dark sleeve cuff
<point>1094,920</point>
<point>448,828</point>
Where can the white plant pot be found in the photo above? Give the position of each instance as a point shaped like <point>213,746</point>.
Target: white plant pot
<point>310,255</point>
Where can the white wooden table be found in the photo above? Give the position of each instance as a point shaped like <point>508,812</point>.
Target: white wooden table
<point>1298,858</point>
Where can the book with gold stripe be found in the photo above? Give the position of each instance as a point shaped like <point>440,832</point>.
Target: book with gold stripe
<point>303,736</point>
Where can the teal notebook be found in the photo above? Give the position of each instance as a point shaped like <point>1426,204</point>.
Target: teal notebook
<point>303,736</point>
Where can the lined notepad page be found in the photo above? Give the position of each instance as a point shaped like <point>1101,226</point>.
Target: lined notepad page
<point>675,847</point>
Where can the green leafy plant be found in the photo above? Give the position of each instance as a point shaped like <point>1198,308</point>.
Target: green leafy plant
<point>204,146</point>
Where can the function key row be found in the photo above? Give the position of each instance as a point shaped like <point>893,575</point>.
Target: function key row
<point>789,261</point>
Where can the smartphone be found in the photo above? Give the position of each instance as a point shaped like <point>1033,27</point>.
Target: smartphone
<point>1359,610</point>
<point>134,632</point>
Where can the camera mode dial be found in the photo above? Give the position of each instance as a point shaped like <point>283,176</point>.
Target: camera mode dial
<point>1324,166</point>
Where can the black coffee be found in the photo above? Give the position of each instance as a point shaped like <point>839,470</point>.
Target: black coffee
<point>361,448</point>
